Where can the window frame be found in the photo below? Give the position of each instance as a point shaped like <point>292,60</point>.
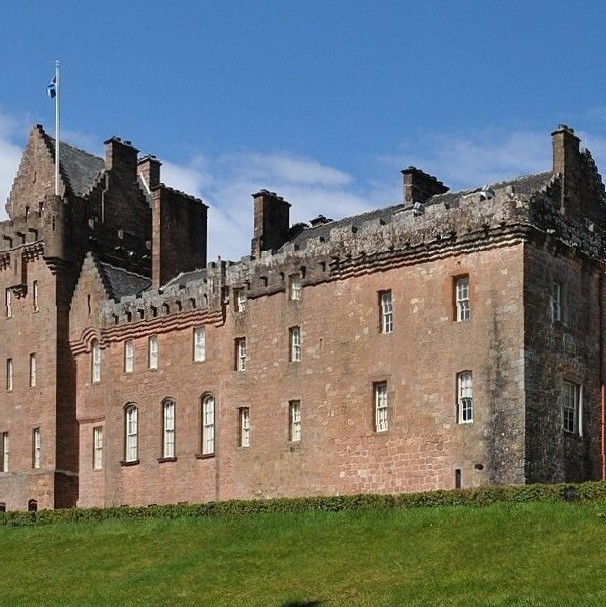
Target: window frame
<point>35,302</point>
<point>169,426</point>
<point>462,297</point>
<point>36,448</point>
<point>294,287</point>
<point>10,375</point>
<point>296,344</point>
<point>8,303</point>
<point>386,320</point>
<point>381,406</point>
<point>572,415</point>
<point>199,344</point>
<point>6,450</point>
<point>153,349</point>
<point>32,370</point>
<point>556,301</point>
<point>131,433</point>
<point>244,427</point>
<point>294,421</point>
<point>241,354</point>
<point>240,300</point>
<point>208,430</point>
<point>465,403</point>
<point>129,356</point>
<point>97,447</point>
<point>95,361</point>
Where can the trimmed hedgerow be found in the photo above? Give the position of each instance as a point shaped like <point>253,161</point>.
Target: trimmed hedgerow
<point>480,496</point>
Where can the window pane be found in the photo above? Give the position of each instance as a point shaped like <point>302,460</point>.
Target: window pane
<point>199,344</point>
<point>386,312</point>
<point>380,396</point>
<point>462,298</point>
<point>208,425</point>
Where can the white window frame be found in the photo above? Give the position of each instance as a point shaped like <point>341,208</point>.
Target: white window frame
<point>131,430</point>
<point>295,287</point>
<point>199,344</point>
<point>244,426</point>
<point>294,421</point>
<point>10,371</point>
<point>296,350</point>
<point>208,424</point>
<point>386,311</point>
<point>462,301</point>
<point>95,361</point>
<point>152,352</point>
<point>129,356</point>
<point>465,397</point>
<point>32,370</point>
<point>241,354</point>
<point>35,304</point>
<point>381,406</point>
<point>97,447</point>
<point>8,303</point>
<point>168,428</point>
<point>36,447</point>
<point>556,301</point>
<point>6,450</point>
<point>572,399</point>
<point>240,300</point>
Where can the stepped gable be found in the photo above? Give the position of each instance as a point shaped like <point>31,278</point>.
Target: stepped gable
<point>121,283</point>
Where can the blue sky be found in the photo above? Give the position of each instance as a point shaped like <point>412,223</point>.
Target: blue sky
<point>323,102</point>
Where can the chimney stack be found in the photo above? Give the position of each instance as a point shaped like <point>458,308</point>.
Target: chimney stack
<point>120,155</point>
<point>271,222</point>
<point>567,163</point>
<point>149,171</point>
<point>419,186</point>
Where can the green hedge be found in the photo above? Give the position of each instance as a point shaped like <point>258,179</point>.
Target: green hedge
<point>482,496</point>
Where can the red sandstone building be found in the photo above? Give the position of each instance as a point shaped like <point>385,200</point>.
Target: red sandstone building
<point>450,340</point>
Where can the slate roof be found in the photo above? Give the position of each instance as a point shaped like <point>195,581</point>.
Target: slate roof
<point>522,185</point>
<point>121,283</point>
<point>186,277</point>
<point>79,167</point>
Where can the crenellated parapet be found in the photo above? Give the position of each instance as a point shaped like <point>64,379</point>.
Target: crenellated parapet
<point>26,238</point>
<point>188,299</point>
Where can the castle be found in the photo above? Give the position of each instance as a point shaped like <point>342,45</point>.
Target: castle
<point>451,340</point>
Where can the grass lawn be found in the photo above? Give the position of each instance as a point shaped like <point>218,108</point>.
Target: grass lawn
<point>551,554</point>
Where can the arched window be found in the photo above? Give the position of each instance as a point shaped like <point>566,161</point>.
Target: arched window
<point>208,424</point>
<point>95,361</point>
<point>130,432</point>
<point>168,428</point>
<point>32,506</point>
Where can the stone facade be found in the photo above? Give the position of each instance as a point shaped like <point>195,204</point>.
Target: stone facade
<point>451,340</point>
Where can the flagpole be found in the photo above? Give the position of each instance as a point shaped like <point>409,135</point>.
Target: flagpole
<point>57,115</point>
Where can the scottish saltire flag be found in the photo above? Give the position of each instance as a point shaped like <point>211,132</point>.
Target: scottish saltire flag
<point>51,88</point>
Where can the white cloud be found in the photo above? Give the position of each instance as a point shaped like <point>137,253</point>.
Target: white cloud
<point>462,162</point>
<point>227,183</point>
<point>11,132</point>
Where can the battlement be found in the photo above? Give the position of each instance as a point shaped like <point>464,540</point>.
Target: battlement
<point>202,292</point>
